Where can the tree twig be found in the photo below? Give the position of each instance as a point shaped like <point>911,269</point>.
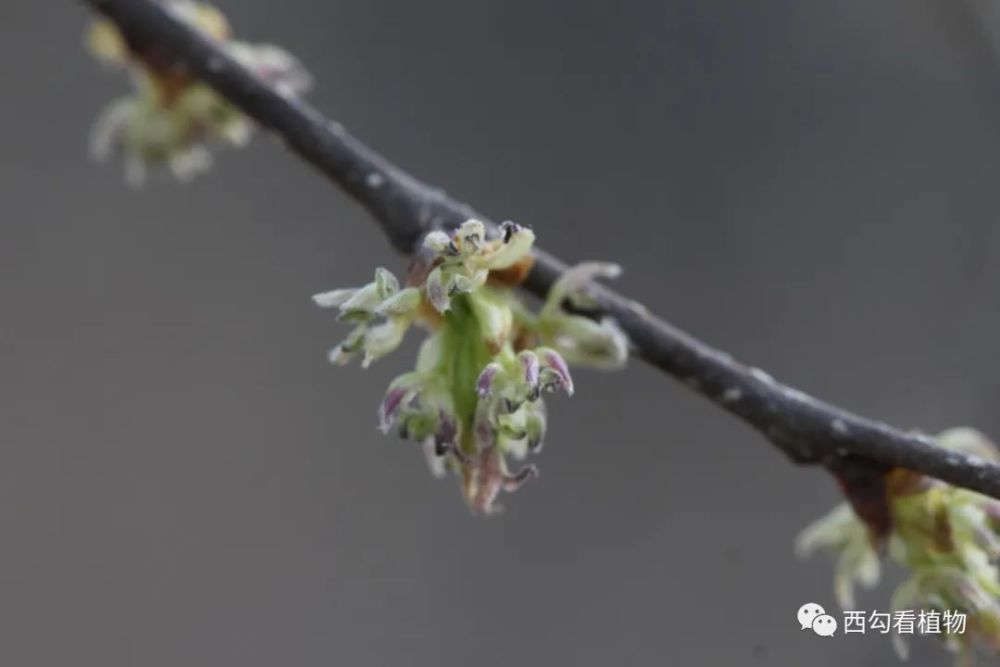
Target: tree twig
<point>806,429</point>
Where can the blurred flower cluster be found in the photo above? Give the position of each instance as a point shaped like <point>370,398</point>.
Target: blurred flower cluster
<point>946,538</point>
<point>171,116</point>
<point>474,399</point>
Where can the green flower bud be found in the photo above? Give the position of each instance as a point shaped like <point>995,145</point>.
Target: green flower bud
<point>858,561</point>
<point>475,398</point>
<point>516,245</point>
<point>495,317</point>
<point>581,340</point>
<point>364,306</point>
<point>401,303</point>
<point>947,538</point>
<point>171,117</point>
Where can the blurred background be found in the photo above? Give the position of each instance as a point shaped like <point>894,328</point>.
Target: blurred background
<point>185,481</point>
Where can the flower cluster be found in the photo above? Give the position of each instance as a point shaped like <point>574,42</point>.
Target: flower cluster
<point>475,397</point>
<point>171,116</point>
<point>946,537</point>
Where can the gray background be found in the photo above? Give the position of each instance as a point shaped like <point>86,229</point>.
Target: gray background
<point>184,481</point>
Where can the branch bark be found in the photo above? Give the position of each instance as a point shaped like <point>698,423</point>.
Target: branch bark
<point>807,430</point>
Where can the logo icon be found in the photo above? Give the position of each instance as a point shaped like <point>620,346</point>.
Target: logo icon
<point>824,625</point>
<point>813,617</point>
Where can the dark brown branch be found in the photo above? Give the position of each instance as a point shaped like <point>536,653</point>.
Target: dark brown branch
<point>809,431</point>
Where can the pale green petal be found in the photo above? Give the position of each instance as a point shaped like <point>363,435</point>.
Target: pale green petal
<point>432,353</point>
<point>106,135</point>
<point>385,282</point>
<point>571,283</point>
<point>404,302</point>
<point>383,338</point>
<point>515,248</point>
<point>832,530</point>
<point>437,293</point>
<point>364,300</point>
<point>585,342</point>
<point>437,241</point>
<point>186,163</point>
<point>471,234</point>
<point>495,318</point>
<point>333,298</point>
<point>343,353</point>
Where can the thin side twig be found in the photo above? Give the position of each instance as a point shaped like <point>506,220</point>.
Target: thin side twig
<point>807,430</point>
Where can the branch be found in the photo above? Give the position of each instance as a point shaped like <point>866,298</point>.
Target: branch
<point>807,430</point>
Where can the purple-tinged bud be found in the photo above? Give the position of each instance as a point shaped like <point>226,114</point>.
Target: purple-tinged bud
<point>487,379</point>
<point>558,376</point>
<point>447,430</point>
<point>530,370</point>
<point>390,407</point>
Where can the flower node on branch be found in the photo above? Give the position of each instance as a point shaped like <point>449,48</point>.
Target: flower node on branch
<point>474,399</point>
<point>171,116</point>
<point>947,538</point>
